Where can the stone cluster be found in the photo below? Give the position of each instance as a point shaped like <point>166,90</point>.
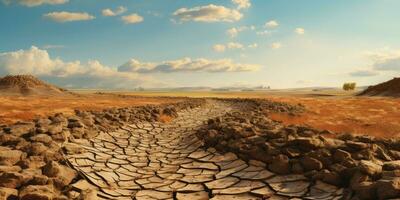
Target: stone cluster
<point>152,160</point>
<point>369,168</point>
<point>32,163</point>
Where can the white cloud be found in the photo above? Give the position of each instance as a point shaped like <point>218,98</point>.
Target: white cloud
<point>109,13</point>
<point>271,24</point>
<point>234,45</point>
<point>384,59</point>
<point>299,31</point>
<point>33,3</point>
<point>132,18</point>
<point>38,62</point>
<point>68,16</point>
<point>265,32</point>
<point>233,32</point>
<point>276,45</point>
<point>254,45</point>
<point>219,48</point>
<point>209,13</point>
<point>364,73</point>
<point>53,46</point>
<point>242,3</point>
<point>187,65</point>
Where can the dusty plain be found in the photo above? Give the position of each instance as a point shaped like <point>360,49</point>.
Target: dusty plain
<point>333,110</point>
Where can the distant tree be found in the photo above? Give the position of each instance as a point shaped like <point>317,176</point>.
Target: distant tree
<point>349,86</point>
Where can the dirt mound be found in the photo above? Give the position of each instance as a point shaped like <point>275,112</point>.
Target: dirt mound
<point>390,88</point>
<point>28,85</point>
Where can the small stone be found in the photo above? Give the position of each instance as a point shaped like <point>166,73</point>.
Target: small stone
<point>370,168</point>
<point>310,163</point>
<point>341,155</point>
<point>63,174</point>
<point>90,194</point>
<point>280,164</point>
<point>356,145</point>
<point>391,165</point>
<point>10,157</point>
<point>8,193</point>
<point>37,192</point>
<point>387,189</point>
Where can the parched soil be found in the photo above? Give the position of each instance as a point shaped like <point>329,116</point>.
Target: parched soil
<point>357,115</point>
<point>25,108</point>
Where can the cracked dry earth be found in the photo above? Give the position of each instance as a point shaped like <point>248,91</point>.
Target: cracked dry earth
<point>167,161</point>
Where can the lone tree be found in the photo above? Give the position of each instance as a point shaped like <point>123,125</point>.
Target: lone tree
<point>349,86</point>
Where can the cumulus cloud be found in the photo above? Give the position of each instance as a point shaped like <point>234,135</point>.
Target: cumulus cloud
<point>186,65</point>
<point>219,48</point>
<point>68,16</point>
<point>132,19</point>
<point>233,32</point>
<point>38,62</point>
<point>254,45</point>
<point>385,60</point>
<point>33,3</point>
<point>110,13</point>
<point>364,73</point>
<point>208,13</point>
<point>242,3</point>
<point>234,45</point>
<point>299,31</point>
<point>276,45</point>
<point>271,24</point>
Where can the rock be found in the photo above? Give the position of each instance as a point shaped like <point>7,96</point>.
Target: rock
<point>370,168</point>
<point>20,128</point>
<point>10,157</point>
<point>75,121</point>
<point>55,128</point>
<point>356,145</point>
<point>341,155</point>
<point>12,179</point>
<point>37,192</point>
<point>280,164</point>
<point>8,193</point>
<point>90,194</point>
<point>62,174</point>
<point>391,165</point>
<point>5,168</point>
<point>36,148</point>
<point>307,143</point>
<point>8,139</point>
<point>310,163</point>
<point>43,138</point>
<point>388,188</point>
<point>366,190</point>
<point>72,148</point>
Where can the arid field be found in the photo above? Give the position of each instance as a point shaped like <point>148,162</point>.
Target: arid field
<point>336,111</point>
<point>23,108</point>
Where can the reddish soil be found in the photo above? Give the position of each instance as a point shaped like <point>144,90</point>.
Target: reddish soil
<point>359,115</point>
<point>23,108</point>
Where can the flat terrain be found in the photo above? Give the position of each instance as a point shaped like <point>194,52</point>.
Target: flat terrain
<point>20,108</point>
<point>333,110</point>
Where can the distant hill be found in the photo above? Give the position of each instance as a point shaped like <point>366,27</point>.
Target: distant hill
<point>28,85</point>
<point>390,88</point>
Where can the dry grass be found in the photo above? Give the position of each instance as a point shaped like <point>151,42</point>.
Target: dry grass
<point>16,108</point>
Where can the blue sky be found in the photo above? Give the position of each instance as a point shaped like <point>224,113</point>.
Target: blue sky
<point>174,43</point>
